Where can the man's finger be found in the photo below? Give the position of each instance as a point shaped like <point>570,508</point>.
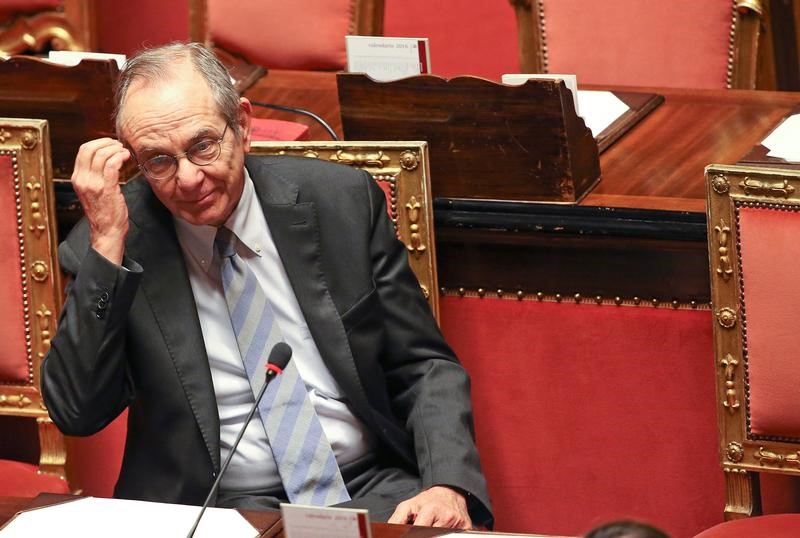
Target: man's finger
<point>402,514</point>
<point>426,518</point>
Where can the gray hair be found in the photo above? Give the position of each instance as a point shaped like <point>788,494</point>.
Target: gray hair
<point>157,65</point>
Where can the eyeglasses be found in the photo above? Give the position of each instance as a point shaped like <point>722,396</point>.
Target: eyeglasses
<point>202,153</point>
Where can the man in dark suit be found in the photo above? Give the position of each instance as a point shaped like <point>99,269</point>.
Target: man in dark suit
<point>145,324</point>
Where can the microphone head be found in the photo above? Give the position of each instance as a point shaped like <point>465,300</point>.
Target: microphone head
<point>280,355</point>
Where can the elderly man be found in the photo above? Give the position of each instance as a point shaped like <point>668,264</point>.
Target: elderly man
<point>160,318</point>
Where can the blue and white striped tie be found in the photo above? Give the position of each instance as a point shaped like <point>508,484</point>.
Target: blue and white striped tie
<point>301,450</point>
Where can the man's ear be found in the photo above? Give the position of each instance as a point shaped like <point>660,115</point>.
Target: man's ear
<point>245,126</point>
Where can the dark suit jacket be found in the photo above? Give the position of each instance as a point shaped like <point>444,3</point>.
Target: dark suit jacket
<point>133,339</point>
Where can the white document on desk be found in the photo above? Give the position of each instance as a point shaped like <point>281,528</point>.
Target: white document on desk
<point>784,141</point>
<point>600,109</point>
<point>92,517</point>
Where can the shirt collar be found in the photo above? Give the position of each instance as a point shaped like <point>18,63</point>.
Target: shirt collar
<point>198,240</point>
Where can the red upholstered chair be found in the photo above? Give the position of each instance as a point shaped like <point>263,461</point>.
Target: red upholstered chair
<point>38,25</point>
<point>753,231</point>
<point>682,43</point>
<point>31,300</point>
<point>302,34</point>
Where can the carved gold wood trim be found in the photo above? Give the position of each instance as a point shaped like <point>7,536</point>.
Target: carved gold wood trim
<point>377,159</point>
<point>15,400</point>
<point>780,189</point>
<point>416,245</point>
<point>37,224</point>
<point>729,364</point>
<point>39,271</point>
<point>53,448</point>
<point>739,499</point>
<point>774,459</point>
<point>571,298</point>
<point>734,452</point>
<point>757,6</point>
<point>34,32</point>
<point>46,328</point>
<point>401,168</point>
<point>726,317</point>
<point>720,184</point>
<point>723,233</point>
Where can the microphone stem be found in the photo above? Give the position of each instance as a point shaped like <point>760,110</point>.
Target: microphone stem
<point>221,472</point>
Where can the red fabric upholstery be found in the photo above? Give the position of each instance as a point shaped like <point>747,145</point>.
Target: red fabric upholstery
<point>774,526</point>
<point>19,479</point>
<point>266,129</point>
<point>768,239</point>
<point>586,414</point>
<point>682,43</point>
<point>302,34</point>
<point>125,27</point>
<point>14,356</point>
<point>465,38</point>
<point>94,461</point>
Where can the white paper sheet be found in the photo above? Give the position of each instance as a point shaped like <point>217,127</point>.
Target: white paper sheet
<point>784,142</point>
<point>600,109</point>
<point>74,57</point>
<point>92,517</point>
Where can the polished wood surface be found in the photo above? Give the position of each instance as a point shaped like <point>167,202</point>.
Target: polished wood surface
<point>487,140</point>
<point>657,165</point>
<point>267,522</point>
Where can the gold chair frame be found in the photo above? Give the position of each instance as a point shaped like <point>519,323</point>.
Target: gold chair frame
<point>748,44</point>
<point>72,27</point>
<point>742,455</point>
<point>402,168</point>
<point>367,19</point>
<point>28,144</point>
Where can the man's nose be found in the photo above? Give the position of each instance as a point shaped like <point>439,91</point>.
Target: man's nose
<point>188,175</point>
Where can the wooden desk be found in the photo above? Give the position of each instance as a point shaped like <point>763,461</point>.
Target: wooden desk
<point>657,165</point>
<point>265,522</point>
<point>641,230</point>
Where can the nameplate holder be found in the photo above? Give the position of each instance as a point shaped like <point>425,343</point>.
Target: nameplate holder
<point>300,521</point>
<point>388,58</point>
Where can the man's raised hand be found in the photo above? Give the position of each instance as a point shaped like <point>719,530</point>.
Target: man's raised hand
<point>96,183</point>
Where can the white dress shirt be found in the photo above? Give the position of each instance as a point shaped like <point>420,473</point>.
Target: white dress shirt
<point>252,467</point>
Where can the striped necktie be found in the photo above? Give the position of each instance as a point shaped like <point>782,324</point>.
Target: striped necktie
<point>302,452</point>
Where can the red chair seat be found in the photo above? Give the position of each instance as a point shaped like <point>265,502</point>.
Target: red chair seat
<point>18,479</point>
<point>772,526</point>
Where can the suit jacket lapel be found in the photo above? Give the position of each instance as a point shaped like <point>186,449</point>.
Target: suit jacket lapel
<point>165,283</point>
<point>295,230</point>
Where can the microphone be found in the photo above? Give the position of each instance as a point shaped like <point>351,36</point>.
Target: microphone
<point>278,359</point>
